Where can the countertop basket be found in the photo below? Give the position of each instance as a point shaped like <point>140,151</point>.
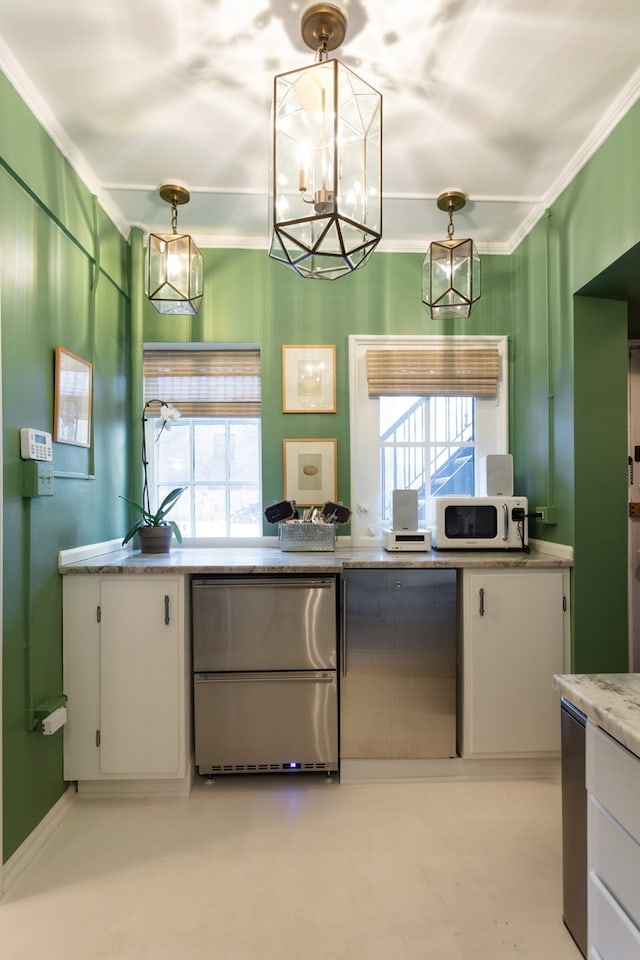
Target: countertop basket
<point>304,536</point>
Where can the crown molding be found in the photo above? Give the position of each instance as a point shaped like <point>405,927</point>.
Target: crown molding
<point>52,127</point>
<point>608,122</point>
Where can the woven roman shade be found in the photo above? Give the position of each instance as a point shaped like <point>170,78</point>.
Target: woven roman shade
<point>205,383</point>
<point>434,371</point>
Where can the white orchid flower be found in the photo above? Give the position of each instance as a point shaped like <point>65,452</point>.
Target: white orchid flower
<point>168,413</point>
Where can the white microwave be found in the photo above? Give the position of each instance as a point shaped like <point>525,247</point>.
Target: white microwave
<point>478,523</point>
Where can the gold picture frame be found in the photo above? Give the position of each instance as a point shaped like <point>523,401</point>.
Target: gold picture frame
<point>310,471</point>
<point>308,378</point>
<point>72,406</point>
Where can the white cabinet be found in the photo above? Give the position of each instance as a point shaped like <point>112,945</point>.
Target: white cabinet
<point>613,784</point>
<point>125,646</point>
<point>514,624</point>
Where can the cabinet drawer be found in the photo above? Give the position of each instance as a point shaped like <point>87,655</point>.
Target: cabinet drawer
<point>612,935</point>
<point>613,776</point>
<point>262,722</point>
<point>615,857</point>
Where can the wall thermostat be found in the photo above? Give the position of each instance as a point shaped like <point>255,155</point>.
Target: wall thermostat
<point>35,444</point>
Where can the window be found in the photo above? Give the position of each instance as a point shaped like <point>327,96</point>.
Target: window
<point>427,444</point>
<point>214,449</point>
<point>424,410</point>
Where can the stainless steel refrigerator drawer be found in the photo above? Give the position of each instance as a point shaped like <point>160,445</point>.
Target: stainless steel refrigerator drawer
<point>264,623</point>
<point>266,722</point>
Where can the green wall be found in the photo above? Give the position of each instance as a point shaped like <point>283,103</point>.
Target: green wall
<point>52,236</point>
<point>597,220</point>
<point>571,393</point>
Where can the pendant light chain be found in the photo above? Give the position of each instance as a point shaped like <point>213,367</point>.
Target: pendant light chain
<point>450,226</point>
<point>322,54</point>
<point>174,217</point>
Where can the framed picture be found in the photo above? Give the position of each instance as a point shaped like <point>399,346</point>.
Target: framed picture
<point>308,379</point>
<point>310,471</point>
<point>72,407</point>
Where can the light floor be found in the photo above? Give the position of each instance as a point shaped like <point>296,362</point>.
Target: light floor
<point>299,869</point>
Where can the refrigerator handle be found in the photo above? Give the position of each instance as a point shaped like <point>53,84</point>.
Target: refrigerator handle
<point>343,625</point>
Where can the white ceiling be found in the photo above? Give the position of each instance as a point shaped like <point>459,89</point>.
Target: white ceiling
<point>502,99</point>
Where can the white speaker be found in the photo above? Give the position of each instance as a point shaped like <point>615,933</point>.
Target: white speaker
<point>404,509</point>
<point>495,475</point>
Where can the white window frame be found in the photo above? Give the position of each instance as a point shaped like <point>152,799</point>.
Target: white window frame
<point>153,424</point>
<point>492,422</point>
<point>152,427</point>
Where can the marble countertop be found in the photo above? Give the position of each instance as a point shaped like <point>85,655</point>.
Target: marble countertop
<point>270,559</point>
<point>612,700</point>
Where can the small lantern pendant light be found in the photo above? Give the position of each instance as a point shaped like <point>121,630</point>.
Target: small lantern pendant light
<point>326,206</point>
<point>451,268</point>
<point>175,268</point>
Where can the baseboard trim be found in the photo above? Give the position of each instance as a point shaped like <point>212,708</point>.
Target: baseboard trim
<point>104,789</point>
<point>560,550</point>
<point>89,550</point>
<point>456,768</point>
<point>29,848</point>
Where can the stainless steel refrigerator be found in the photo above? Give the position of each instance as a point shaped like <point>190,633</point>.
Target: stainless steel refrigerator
<point>265,684</point>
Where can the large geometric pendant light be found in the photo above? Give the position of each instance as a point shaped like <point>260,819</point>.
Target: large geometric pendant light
<point>326,203</point>
<point>175,268</point>
<point>451,268</point>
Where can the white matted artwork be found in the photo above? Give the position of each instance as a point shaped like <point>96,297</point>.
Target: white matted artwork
<point>308,378</point>
<point>310,471</point>
<point>72,404</point>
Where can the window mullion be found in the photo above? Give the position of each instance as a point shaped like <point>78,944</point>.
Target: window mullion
<point>192,477</point>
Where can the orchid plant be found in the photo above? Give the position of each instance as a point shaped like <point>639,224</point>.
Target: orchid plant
<point>168,413</point>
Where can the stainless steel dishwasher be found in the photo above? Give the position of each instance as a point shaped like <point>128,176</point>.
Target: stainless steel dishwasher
<point>574,823</point>
<point>398,670</point>
<point>265,684</point>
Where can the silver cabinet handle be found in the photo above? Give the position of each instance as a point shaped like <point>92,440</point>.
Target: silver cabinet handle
<point>267,582</point>
<point>306,677</point>
<point>343,626</point>
<point>481,601</point>
<point>167,618</point>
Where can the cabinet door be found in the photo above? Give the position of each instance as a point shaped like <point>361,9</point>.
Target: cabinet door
<point>81,675</point>
<point>141,677</point>
<point>398,667</point>
<point>513,644</point>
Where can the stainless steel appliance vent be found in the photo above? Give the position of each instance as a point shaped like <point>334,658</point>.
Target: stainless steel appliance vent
<point>262,767</point>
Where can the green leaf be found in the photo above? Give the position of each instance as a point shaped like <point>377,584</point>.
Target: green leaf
<point>168,502</point>
<point>138,507</point>
<point>176,530</point>
<point>132,532</point>
<point>155,519</point>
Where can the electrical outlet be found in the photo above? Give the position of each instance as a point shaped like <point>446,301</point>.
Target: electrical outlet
<point>549,515</point>
<point>37,478</point>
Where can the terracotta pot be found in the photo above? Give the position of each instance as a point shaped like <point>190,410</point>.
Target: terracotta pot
<point>155,539</point>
